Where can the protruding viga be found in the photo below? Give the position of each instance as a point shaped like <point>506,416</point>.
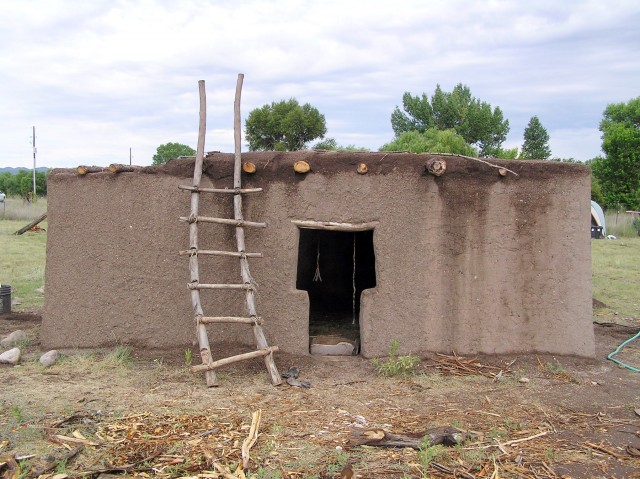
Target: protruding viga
<point>301,166</point>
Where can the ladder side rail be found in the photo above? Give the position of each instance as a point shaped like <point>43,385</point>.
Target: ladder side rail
<point>261,341</point>
<point>201,329</point>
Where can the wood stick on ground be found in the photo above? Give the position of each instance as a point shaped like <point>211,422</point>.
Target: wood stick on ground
<point>225,472</point>
<point>601,449</point>
<point>454,472</point>
<point>30,225</point>
<point>123,468</point>
<point>251,438</point>
<point>517,441</point>
<point>49,465</point>
<point>448,436</point>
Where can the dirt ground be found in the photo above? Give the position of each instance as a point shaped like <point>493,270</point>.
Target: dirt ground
<point>151,416</point>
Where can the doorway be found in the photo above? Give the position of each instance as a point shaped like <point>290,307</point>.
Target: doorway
<point>334,267</point>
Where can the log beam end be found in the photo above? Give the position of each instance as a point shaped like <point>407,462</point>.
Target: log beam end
<point>435,167</point>
<point>301,167</point>
<point>248,167</point>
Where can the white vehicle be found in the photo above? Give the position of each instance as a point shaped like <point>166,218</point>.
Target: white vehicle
<point>2,197</point>
<point>598,227</point>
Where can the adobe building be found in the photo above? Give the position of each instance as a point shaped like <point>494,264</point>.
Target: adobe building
<point>478,260</point>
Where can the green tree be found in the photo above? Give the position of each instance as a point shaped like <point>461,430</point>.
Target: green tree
<point>332,145</point>
<point>4,182</point>
<point>326,144</point>
<point>567,160</point>
<point>41,182</point>
<point>21,183</point>
<point>508,154</point>
<point>596,191</point>
<point>474,120</point>
<point>284,126</point>
<point>618,172</point>
<point>431,140</point>
<point>169,151</point>
<point>536,141</point>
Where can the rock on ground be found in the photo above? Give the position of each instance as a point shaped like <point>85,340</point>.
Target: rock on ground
<point>13,339</point>
<point>49,358</point>
<point>10,357</point>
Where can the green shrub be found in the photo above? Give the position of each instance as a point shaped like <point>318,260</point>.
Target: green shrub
<point>395,365</point>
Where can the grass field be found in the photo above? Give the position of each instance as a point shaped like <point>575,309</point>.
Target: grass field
<point>616,274</point>
<point>22,261</point>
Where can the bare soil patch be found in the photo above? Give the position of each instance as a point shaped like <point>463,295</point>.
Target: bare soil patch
<point>574,417</point>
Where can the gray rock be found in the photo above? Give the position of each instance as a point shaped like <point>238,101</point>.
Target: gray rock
<point>13,339</point>
<point>49,358</point>
<point>10,357</point>
<point>299,384</point>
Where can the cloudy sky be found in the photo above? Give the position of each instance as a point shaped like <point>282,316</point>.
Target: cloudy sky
<point>99,77</point>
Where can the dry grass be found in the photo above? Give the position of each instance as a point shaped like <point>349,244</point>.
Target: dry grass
<point>15,208</point>
<point>135,417</point>
<point>526,444</point>
<point>620,224</point>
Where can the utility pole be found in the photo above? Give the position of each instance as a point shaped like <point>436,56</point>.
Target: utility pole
<point>129,155</point>
<point>34,163</point>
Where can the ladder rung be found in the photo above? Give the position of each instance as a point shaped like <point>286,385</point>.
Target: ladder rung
<point>234,359</point>
<point>231,319</point>
<point>224,221</point>
<point>233,191</point>
<point>191,252</point>
<point>219,286</point>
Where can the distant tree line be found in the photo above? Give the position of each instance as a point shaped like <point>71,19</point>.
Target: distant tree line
<point>455,122</point>
<point>21,183</point>
<point>618,171</point>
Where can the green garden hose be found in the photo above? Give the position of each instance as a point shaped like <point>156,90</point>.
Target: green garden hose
<point>631,368</point>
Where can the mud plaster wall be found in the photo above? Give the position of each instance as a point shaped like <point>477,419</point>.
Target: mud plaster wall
<point>470,261</point>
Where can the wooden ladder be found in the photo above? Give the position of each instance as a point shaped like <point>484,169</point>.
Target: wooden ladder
<point>248,286</point>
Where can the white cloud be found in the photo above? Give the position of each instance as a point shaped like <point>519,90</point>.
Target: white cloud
<point>99,77</point>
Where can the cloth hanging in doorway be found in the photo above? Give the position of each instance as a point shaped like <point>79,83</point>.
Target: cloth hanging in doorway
<point>353,278</point>
<point>317,278</point>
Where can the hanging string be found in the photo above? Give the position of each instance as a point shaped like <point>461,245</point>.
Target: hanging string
<point>316,277</point>
<point>353,298</point>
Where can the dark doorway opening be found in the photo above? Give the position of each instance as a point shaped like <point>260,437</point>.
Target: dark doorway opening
<point>334,267</point>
